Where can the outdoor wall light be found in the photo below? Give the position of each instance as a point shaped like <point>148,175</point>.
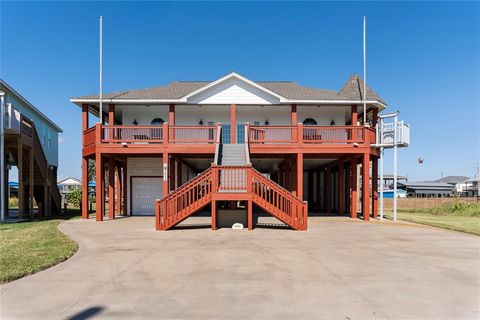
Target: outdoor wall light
<point>135,122</point>
<point>200,122</point>
<point>267,122</point>
<point>332,123</point>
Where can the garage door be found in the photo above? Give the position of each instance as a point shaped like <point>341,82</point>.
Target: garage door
<point>144,192</point>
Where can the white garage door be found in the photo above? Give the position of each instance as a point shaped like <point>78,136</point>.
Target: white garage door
<point>144,192</point>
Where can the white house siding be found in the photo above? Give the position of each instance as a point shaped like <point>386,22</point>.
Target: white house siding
<point>192,114</point>
<point>324,114</point>
<point>142,167</point>
<point>143,114</point>
<point>276,115</point>
<point>233,91</point>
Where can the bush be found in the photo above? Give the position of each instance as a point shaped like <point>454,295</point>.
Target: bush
<point>75,198</point>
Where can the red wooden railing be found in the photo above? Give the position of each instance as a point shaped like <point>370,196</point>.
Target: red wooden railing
<point>278,201</point>
<point>132,134</point>
<point>273,134</point>
<point>89,136</point>
<point>308,134</point>
<point>192,134</point>
<point>197,193</point>
<point>333,134</point>
<point>231,178</point>
<point>184,201</point>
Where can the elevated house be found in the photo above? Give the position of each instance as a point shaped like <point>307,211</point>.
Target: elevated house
<point>233,142</point>
<point>31,144</point>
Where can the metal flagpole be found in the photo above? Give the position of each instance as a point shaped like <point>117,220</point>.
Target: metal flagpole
<point>101,94</point>
<point>395,142</point>
<point>2,155</point>
<point>364,70</point>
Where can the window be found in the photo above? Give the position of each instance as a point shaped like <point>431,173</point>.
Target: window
<point>310,122</point>
<point>49,143</point>
<point>157,122</point>
<point>256,123</point>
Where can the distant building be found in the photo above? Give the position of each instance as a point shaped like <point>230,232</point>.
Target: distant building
<point>68,185</point>
<point>459,182</point>
<point>427,189</point>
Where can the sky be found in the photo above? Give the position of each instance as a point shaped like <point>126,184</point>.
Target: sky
<point>423,59</point>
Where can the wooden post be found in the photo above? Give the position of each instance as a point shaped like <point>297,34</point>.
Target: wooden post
<point>366,186</point>
<point>171,120</point>
<point>353,184</point>
<point>319,194</point>
<point>294,114</point>
<point>124,189</point>
<point>99,187</point>
<point>30,189</point>
<point>341,189</point>
<point>85,181</point>
<point>165,137</point>
<point>118,190</point>
<point>354,122</point>
<point>214,215</point>
<point>84,124</point>
<point>111,188</point>
<point>300,175</point>
<point>300,133</point>
<point>111,115</point>
<point>21,184</point>
<point>233,123</point>
<point>250,214</point>
<point>165,171</point>
<point>375,187</point>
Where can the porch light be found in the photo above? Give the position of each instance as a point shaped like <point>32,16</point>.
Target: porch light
<point>267,122</point>
<point>200,122</point>
<point>332,123</point>
<point>135,122</point>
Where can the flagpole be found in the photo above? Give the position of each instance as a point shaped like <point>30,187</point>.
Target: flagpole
<point>364,70</point>
<point>101,76</point>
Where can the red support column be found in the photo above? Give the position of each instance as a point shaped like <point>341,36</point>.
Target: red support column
<point>366,186</point>
<point>84,189</point>
<point>111,114</point>
<point>354,122</point>
<point>179,174</point>
<point>124,189</point>
<point>375,187</point>
<point>294,114</point>
<point>329,190</point>
<point>250,215</point>
<point>233,123</point>
<point>353,186</point>
<point>171,174</point>
<point>319,197</point>
<point>99,186</point>
<point>118,189</point>
<point>300,175</point>
<point>111,188</point>
<point>341,189</point>
<point>171,115</point>
<point>165,173</point>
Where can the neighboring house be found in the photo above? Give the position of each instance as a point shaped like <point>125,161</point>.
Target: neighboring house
<point>459,182</point>
<point>233,143</point>
<point>427,189</point>
<point>471,188</point>
<point>31,144</point>
<point>68,185</point>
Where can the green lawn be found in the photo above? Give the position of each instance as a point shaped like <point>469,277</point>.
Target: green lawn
<point>29,247</point>
<point>455,216</point>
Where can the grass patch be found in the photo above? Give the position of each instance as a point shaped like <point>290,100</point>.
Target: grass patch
<point>458,216</point>
<point>29,247</point>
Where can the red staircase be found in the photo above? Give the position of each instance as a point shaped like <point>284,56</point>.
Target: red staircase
<point>222,181</point>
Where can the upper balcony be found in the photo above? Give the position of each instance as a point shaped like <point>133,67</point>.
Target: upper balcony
<point>258,136</point>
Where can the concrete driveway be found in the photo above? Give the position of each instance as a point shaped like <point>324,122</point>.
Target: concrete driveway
<point>339,269</point>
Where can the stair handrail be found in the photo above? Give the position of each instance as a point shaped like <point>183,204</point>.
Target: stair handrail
<point>247,151</point>
<point>217,142</point>
<point>162,205</point>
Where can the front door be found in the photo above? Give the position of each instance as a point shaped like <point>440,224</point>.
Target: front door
<point>144,192</point>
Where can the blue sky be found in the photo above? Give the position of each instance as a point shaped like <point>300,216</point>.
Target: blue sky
<point>423,59</point>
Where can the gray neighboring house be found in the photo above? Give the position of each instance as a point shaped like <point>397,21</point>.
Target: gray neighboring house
<point>427,189</point>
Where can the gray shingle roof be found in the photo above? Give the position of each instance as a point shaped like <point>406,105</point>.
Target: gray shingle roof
<point>353,90</point>
<point>288,89</point>
<point>452,179</point>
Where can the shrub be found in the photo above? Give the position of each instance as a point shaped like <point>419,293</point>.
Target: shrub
<point>75,198</point>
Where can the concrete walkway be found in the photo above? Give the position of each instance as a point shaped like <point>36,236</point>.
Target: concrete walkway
<point>339,269</point>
